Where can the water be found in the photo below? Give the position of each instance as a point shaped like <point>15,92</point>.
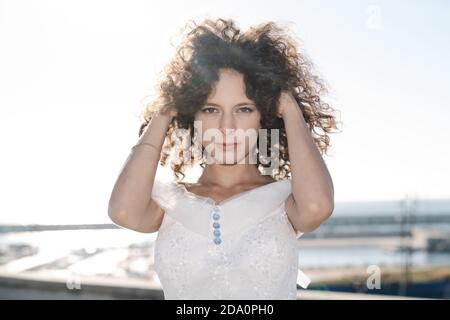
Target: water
<point>359,256</point>
<point>54,243</point>
<point>77,239</point>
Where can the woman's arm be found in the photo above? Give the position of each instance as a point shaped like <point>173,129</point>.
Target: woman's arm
<point>312,198</point>
<point>130,204</point>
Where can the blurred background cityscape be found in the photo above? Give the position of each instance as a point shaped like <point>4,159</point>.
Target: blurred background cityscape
<point>408,242</point>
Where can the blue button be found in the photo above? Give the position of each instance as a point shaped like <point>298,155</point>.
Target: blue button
<point>216,216</point>
<point>216,225</point>
<point>217,232</point>
<point>217,240</point>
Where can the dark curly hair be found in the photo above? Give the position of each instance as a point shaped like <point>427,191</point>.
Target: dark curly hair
<point>267,56</point>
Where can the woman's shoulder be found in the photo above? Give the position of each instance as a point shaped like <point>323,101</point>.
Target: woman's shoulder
<point>165,193</point>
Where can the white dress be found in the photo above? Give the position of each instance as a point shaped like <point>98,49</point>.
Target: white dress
<point>241,248</point>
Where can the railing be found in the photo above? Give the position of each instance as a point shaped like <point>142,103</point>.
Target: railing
<point>30,285</point>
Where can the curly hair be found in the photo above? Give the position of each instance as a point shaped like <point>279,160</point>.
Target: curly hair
<point>268,57</point>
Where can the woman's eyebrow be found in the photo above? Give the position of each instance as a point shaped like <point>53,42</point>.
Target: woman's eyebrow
<point>238,105</point>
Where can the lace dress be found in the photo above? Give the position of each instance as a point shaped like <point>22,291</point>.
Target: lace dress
<point>241,248</point>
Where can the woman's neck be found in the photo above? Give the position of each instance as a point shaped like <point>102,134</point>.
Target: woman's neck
<point>228,176</point>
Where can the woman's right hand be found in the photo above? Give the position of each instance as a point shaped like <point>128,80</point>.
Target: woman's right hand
<point>170,111</point>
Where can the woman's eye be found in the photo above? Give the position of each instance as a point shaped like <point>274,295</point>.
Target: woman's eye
<point>205,110</point>
<point>212,110</point>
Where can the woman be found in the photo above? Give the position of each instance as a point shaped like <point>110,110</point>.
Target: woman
<point>232,234</point>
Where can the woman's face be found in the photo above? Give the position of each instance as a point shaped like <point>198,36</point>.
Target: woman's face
<point>228,116</point>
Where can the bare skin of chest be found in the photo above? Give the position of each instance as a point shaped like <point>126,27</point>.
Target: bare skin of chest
<point>220,194</point>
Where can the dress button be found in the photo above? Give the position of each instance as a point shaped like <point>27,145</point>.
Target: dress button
<point>216,225</point>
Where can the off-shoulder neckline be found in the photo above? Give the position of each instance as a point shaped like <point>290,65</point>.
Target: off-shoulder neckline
<point>234,197</point>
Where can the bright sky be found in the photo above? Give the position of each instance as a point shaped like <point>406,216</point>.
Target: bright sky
<point>74,73</point>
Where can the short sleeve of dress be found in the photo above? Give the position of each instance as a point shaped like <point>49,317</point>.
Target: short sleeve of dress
<point>164,193</point>
<point>299,234</point>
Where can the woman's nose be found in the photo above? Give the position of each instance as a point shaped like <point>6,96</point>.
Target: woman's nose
<point>227,122</point>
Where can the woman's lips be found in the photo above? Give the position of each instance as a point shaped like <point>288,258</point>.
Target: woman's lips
<point>227,146</point>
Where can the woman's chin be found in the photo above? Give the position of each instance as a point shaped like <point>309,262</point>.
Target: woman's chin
<point>227,159</point>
